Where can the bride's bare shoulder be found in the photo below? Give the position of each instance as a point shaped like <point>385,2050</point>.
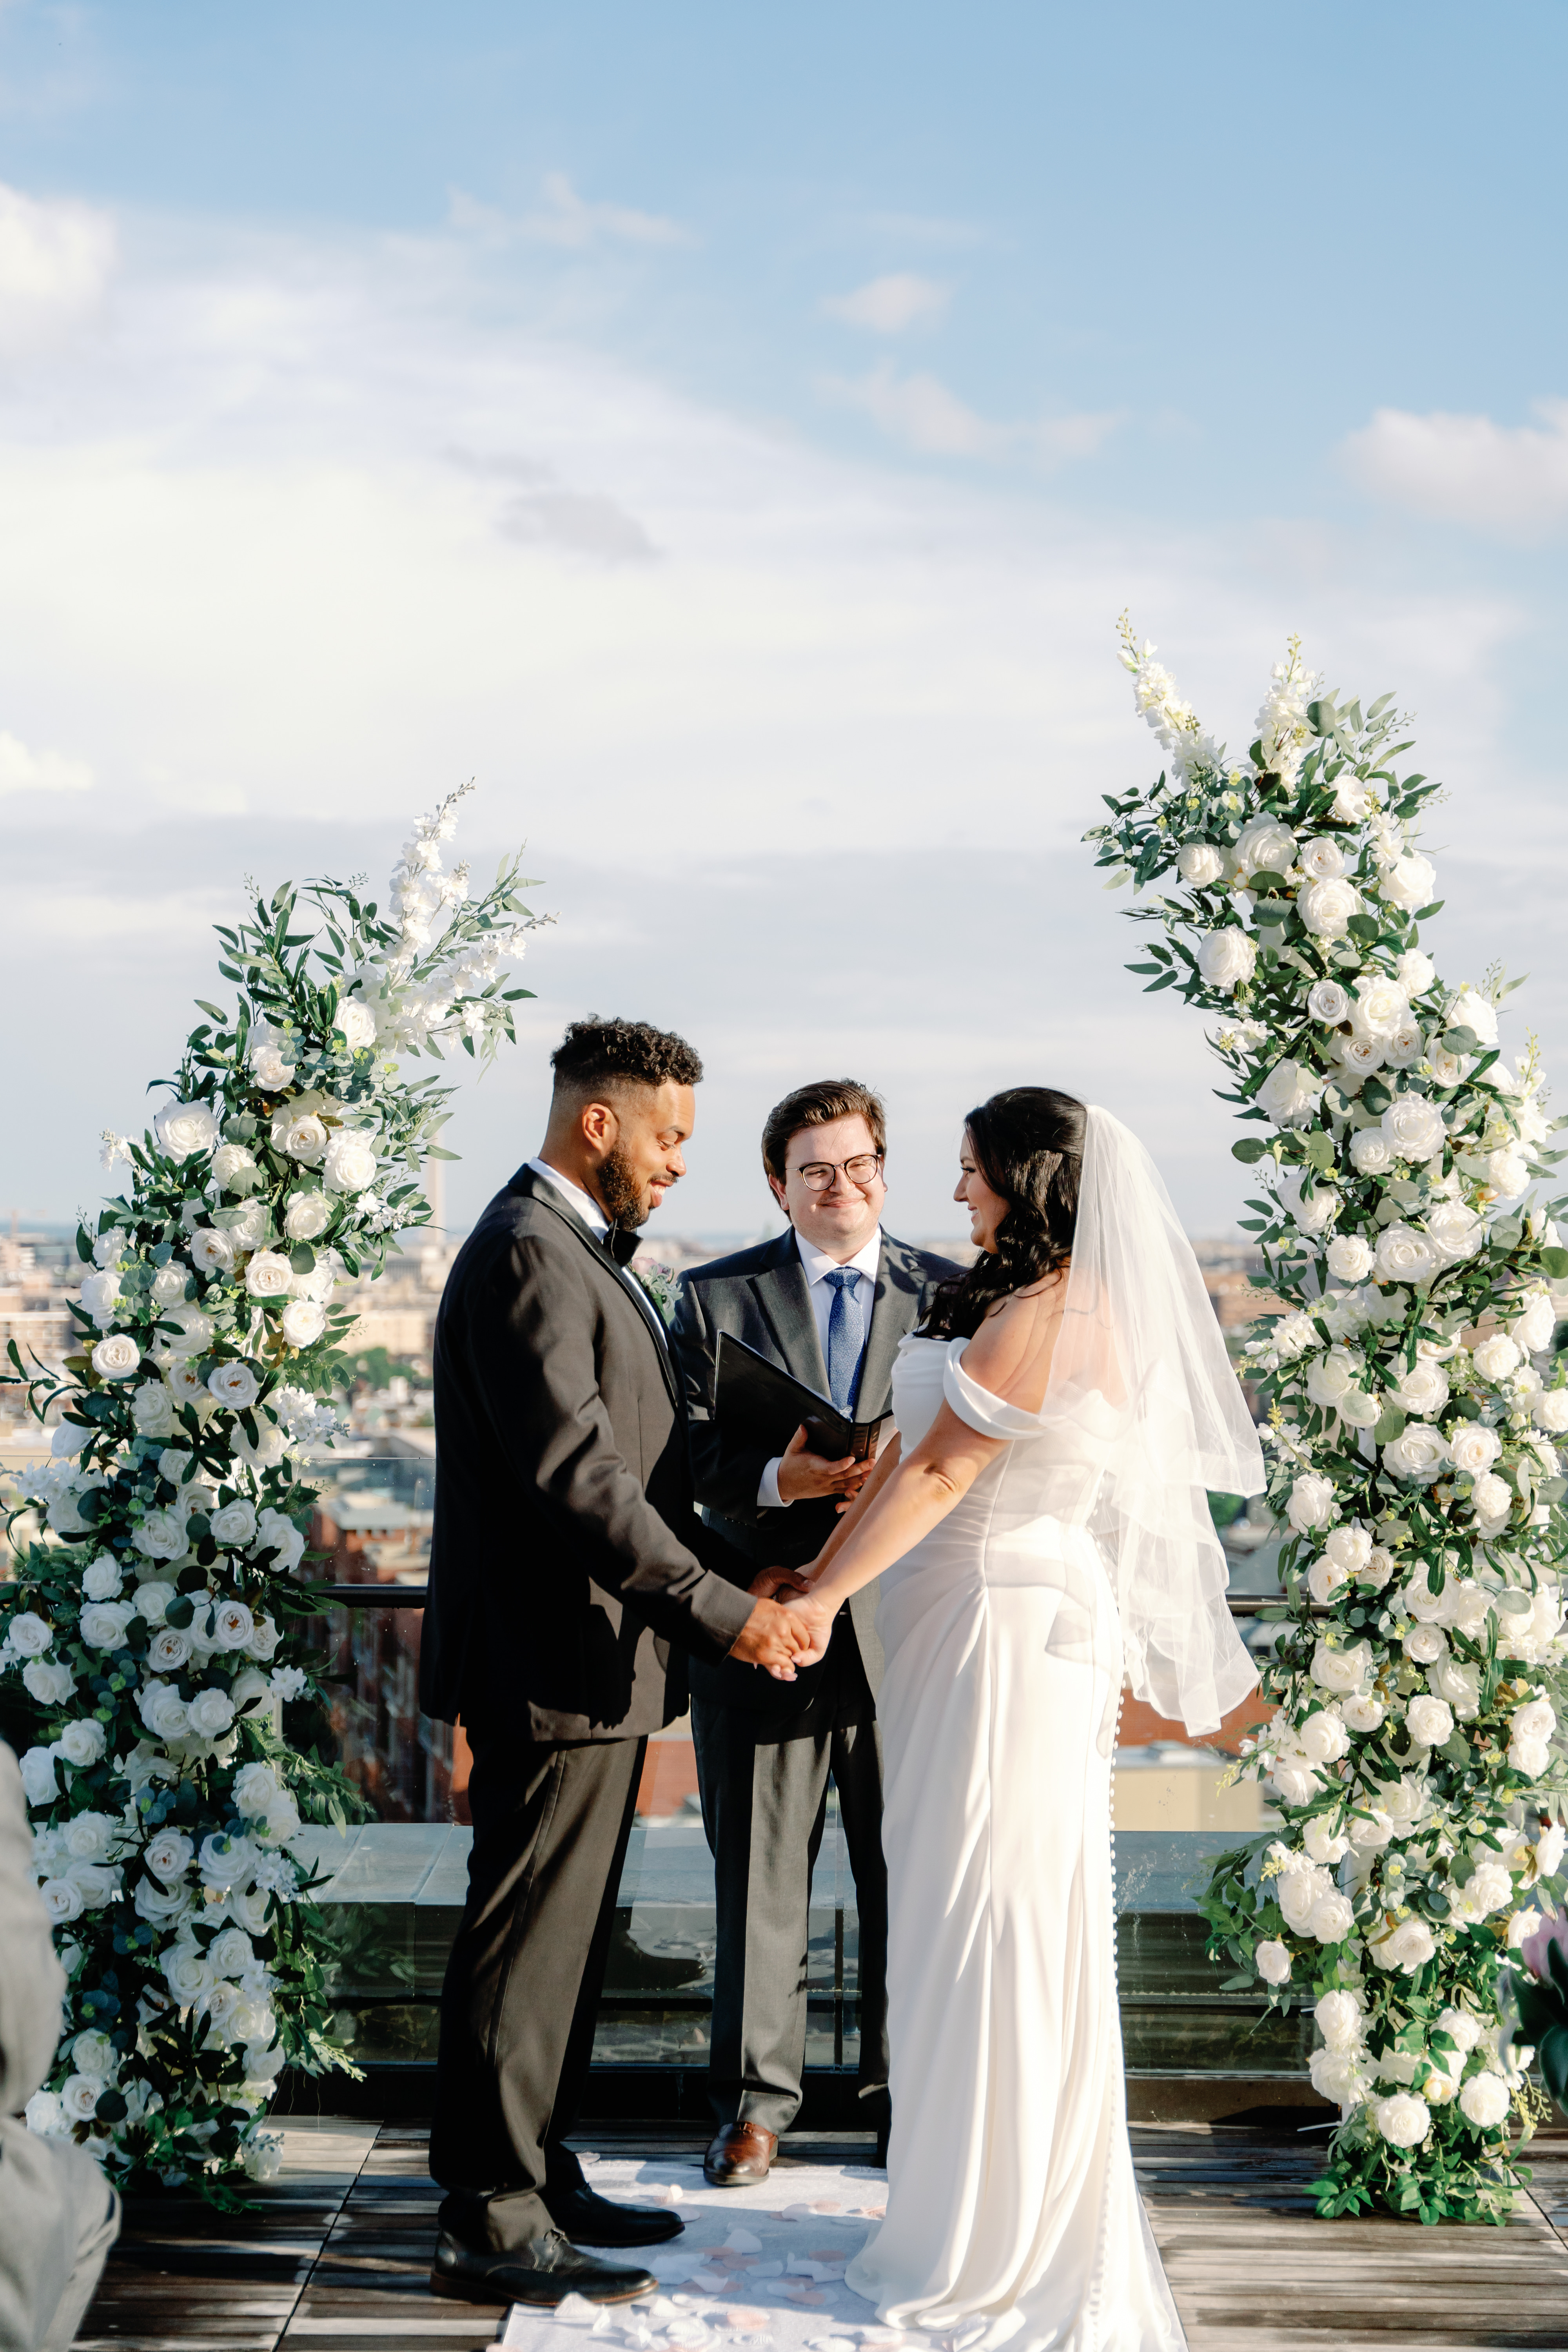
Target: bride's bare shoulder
<point>1011,1352</point>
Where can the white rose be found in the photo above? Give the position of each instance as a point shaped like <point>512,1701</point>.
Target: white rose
<point>1341,1670</point>
<point>1471,1010</point>
<point>168,1854</point>
<point>1264,846</point>
<point>1425,1644</point>
<point>1312,1504</point>
<point>79,2097</point>
<point>356,1022</point>
<point>234,1524</point>
<point>1419,1453</point>
<point>1290,1094</point>
<point>1322,861</point>
<point>211,1251</point>
<point>1361,1714</point>
<point>1537,1719</point>
<point>1349,1258</point>
<point>87,1836</point>
<point>40,1784</point>
<point>1339,2018</point>
<point>232,1952</point>
<point>1326,908</point>
<point>1454,1231</point>
<point>1487,1889</point>
<point>1332,1918</point>
<point>101,1580</point>
<point>1508,1173</point>
<point>1404,2120</point>
<point>1349,1547</point>
<point>255,1788</point>
<point>1429,1720</point>
<point>1410,881</point>
<point>1492,1499</point>
<point>117,1357</point>
<point>164,1711</point>
<point>1226,958</point>
<point>1533,1330</point>
<point>1404,1044</point>
<point>83,1743</point>
<point>101,1294</point>
<point>1323,1737</point>
<point>1292,1336</point>
<point>167,1651</point>
<point>1360,1055</point>
<point>1473,1448</point>
<point>1327,1002</point>
<point>1372,1154</point>
<point>102,1624</point>
<point>1296,1891</point>
<point>1405,1255</point>
<point>268,1275</point>
<point>29,1634</point>
<point>48,1680</point>
<point>1272,1960</point>
<point>187,1973</point>
<point>276,1532</point>
<point>1371,1828</point>
<point>1313,1208</point>
<point>233,1623</point>
<point>212,1713</point>
<point>61,1899</point>
<point>1422,1390</point>
<point>227,1861</point>
<point>234,1385</point>
<point>1379,1568</point>
<point>272,1072</point>
<point>263,1641</point>
<point>1529,1757</point>
<point>246,1227</point>
<point>300,1134</point>
<point>1328,1377</point>
<point>162,1536</point>
<point>1414,1126</point>
<point>1381,1006</point>
<point>308,1215</point>
<point>1417,971</point>
<point>1322,1843</point>
<point>349,1165</point>
<point>304,1320</point>
<point>1549,1410</point>
<point>1409,1945</point>
<point>94,2053</point>
<point>192,1335</point>
<point>232,1163</point>
<point>1460,1684</point>
<point>1485,2100</point>
<point>152,1599</point>
<point>153,1409</point>
<point>1323,1581</point>
<point>183,1128</point>
<point>270,1449</point>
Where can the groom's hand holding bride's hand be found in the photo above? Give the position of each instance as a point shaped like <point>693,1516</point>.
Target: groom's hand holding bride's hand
<point>772,1636</point>
<point>815,1618</point>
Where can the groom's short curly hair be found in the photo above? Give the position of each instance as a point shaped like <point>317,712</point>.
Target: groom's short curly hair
<point>595,1053</point>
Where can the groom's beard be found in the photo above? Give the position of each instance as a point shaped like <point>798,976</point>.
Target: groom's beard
<point>624,1199</point>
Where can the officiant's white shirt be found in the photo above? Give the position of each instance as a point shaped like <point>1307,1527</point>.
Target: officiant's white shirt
<point>817,1267</point>
<point>598,1224</point>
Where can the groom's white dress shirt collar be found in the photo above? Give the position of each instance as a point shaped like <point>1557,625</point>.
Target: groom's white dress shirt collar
<point>816,1266</point>
<point>598,1224</point>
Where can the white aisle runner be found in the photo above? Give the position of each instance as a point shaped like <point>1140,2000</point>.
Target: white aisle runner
<point>763,2267</point>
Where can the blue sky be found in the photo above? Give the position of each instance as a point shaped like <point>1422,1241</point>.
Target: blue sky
<point>730,436</point>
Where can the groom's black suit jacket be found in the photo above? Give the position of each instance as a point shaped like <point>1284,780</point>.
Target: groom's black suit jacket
<point>762,1296</point>
<point>567,1560</point>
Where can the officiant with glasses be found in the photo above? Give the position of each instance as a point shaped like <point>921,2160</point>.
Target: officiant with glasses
<point>829,1301</point>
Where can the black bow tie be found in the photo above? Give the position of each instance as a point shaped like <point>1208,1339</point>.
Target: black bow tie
<point>621,1244</point>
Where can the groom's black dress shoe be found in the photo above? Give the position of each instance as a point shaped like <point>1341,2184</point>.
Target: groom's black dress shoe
<point>594,2221</point>
<point>544,2272</point>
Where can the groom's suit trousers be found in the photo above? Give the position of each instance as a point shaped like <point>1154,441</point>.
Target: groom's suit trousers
<point>522,1985</point>
<point>763,1784</point>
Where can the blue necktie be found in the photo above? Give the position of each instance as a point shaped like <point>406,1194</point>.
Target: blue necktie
<point>846,1336</point>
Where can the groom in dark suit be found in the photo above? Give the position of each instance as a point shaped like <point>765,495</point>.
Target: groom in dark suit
<point>830,1301</point>
<point>568,1573</point>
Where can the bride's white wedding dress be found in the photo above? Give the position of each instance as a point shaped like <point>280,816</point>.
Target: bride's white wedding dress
<point>1013,2214</point>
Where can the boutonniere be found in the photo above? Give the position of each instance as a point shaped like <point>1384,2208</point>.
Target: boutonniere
<point>658,1281</point>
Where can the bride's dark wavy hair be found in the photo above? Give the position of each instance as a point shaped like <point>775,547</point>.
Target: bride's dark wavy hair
<point>1028,1143</point>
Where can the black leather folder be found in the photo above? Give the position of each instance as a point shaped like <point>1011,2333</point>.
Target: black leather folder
<point>763,1403</point>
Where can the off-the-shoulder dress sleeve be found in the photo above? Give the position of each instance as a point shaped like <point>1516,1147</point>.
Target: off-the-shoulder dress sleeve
<point>977,1406</point>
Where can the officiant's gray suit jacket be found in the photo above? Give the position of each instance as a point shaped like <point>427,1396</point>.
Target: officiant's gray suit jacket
<point>762,1296</point>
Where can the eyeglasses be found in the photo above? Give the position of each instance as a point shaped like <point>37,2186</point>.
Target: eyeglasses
<point>817,1175</point>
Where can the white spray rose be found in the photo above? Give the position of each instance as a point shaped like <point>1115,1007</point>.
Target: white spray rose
<point>300,1134</point>
<point>1272,1959</point>
<point>1492,1499</point>
<point>1429,1720</point>
<point>1349,1547</point>
<point>1339,2020</point>
<point>1473,1449</point>
<point>303,1322</point>
<point>349,1165</point>
<point>1227,958</point>
<point>101,1294</point>
<point>1341,1670</point>
<point>1322,861</point>
<point>232,1166</point>
<point>1312,1503</point>
<point>1484,2099</point>
<point>1372,1154</point>
<point>1404,1044</point>
<point>1408,1947</point>
<point>1405,1255</point>
<point>1533,1330</point>
<point>277,1533</point>
<point>272,1072</point>
<point>1290,1094</point>
<point>211,1251</point>
<point>1323,1737</point>
<point>191,1337</point>
<point>1326,908</point>
<point>1410,881</point>
<point>1422,1390</point>
<point>1328,1377</point>
<point>356,1022</point>
<point>1322,1843</point>
<point>234,1524</point>
<point>1328,1001</point>
<point>234,1385</point>
<point>167,1651</point>
<point>263,1641</point>
<point>1361,1713</point>
<point>118,1358</point>
<point>185,1128</point>
<point>1454,1231</point>
<point>1404,2120</point>
<point>83,1743</point>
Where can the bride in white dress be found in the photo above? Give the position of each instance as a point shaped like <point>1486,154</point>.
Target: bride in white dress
<point>1041,1528</point>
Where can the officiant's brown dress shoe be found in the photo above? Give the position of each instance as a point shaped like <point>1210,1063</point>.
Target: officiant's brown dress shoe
<point>739,2156</point>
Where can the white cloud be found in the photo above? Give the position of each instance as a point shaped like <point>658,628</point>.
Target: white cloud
<point>566,219</point>
<point>22,770</point>
<point>1510,481</point>
<point>888,305</point>
<point>920,412</point>
<point>55,262</point>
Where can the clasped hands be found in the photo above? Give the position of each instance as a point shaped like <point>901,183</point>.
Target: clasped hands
<point>784,1635</point>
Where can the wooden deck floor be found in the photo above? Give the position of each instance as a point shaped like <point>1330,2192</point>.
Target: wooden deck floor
<point>337,2255</point>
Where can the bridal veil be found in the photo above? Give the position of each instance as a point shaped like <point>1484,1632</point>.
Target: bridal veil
<point>1138,1329</point>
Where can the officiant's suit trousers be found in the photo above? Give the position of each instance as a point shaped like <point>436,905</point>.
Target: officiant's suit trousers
<point>764,1802</point>
<point>522,1994</point>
